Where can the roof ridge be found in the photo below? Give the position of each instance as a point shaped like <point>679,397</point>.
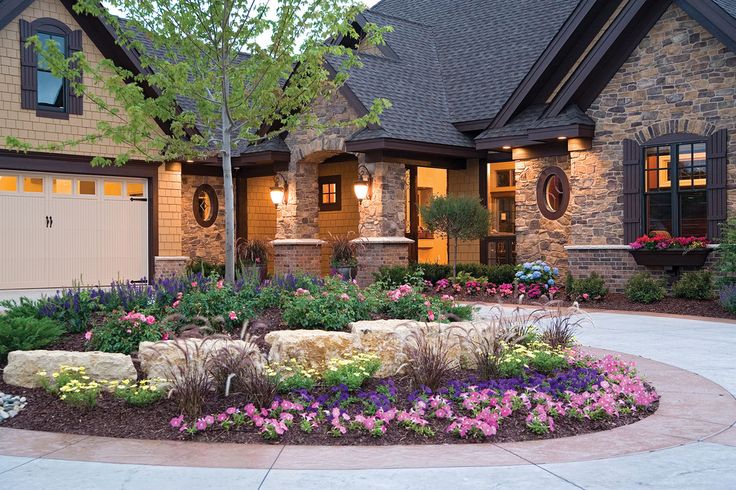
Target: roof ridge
<point>390,16</point>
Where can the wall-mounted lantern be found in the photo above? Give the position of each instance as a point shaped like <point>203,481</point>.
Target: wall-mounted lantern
<point>279,190</point>
<point>362,186</point>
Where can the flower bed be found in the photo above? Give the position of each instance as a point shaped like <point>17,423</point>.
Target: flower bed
<point>593,394</point>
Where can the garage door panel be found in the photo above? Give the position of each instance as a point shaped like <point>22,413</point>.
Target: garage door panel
<point>94,239</point>
<point>23,241</point>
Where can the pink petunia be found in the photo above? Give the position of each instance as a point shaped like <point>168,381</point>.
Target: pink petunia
<point>88,335</point>
<point>233,316</point>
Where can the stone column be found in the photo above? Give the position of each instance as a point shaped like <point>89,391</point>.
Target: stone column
<point>382,221</point>
<point>297,247</point>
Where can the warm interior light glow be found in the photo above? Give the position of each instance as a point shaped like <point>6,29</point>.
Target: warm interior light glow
<point>361,189</point>
<point>506,147</point>
<point>277,195</point>
<point>562,137</point>
<point>190,160</point>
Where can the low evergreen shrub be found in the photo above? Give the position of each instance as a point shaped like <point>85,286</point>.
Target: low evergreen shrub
<point>643,288</point>
<point>26,333</point>
<point>694,285</point>
<point>592,287</point>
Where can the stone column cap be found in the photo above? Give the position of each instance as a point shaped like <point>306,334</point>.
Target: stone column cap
<point>398,240</point>
<point>172,257</point>
<point>297,241</point>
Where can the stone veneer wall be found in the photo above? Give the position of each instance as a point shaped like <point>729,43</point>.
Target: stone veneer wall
<point>536,236</point>
<point>197,242</point>
<point>679,79</point>
<point>616,265</point>
<point>465,183</point>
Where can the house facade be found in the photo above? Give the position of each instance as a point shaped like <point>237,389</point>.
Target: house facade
<point>581,124</point>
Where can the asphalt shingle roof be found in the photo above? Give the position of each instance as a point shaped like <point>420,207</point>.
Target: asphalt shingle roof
<point>458,60</point>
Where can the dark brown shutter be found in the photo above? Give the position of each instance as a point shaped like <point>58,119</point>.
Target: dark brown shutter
<point>633,177</point>
<point>75,46</point>
<point>717,171</point>
<point>28,61</point>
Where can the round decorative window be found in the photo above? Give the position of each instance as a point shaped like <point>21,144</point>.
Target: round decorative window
<point>205,205</point>
<point>553,192</point>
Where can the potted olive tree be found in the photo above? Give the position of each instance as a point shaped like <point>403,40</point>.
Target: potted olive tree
<point>252,259</point>
<point>344,260</point>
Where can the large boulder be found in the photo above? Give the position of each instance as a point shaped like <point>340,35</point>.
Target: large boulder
<point>163,359</point>
<point>23,365</point>
<point>311,347</point>
<point>389,339</point>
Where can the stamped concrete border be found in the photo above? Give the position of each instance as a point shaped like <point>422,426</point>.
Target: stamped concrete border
<point>691,409</point>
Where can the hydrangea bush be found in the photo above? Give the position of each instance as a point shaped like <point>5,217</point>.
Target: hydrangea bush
<point>537,273</point>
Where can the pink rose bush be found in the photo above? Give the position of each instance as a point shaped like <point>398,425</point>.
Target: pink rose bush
<point>591,388</point>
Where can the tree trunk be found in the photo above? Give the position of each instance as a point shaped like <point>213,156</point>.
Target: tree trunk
<point>227,179</point>
<point>454,261</point>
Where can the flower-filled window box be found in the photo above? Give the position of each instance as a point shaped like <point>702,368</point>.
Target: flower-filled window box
<point>662,250</point>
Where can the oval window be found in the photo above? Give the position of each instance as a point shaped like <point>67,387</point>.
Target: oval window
<point>205,205</point>
<point>553,192</point>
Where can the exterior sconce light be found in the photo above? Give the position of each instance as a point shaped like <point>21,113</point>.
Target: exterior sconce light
<point>506,147</point>
<point>278,191</point>
<point>362,186</point>
<point>562,137</point>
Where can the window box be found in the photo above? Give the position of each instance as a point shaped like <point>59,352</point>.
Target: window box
<point>671,257</point>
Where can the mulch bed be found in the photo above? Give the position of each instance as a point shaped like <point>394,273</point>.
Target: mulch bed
<point>618,301</point>
<point>114,418</point>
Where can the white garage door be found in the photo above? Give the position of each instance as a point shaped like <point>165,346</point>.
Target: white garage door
<point>59,230</point>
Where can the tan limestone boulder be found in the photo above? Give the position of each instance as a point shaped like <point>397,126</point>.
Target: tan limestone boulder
<point>164,358</point>
<point>23,365</point>
<point>311,347</point>
<point>389,339</point>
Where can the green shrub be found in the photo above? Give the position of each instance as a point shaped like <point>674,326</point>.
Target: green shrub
<point>643,288</point>
<point>26,333</point>
<point>694,285</point>
<point>726,265</point>
<point>207,269</point>
<point>219,302</point>
<point>728,298</point>
<point>408,303</point>
<point>23,308</point>
<point>435,272</point>
<point>338,304</point>
<point>122,333</point>
<point>497,274</point>
<point>501,274</point>
<point>392,276</point>
<point>593,285</point>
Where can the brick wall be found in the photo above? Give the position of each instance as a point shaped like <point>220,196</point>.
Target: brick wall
<point>345,221</point>
<point>376,255</point>
<point>197,242</point>
<point>617,265</point>
<point>24,124</point>
<point>301,258</point>
<point>170,266</point>
<point>465,182</point>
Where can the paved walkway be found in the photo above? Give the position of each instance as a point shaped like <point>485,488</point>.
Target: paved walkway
<point>703,347</point>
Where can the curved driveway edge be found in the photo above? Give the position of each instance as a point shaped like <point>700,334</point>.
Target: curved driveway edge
<point>691,409</point>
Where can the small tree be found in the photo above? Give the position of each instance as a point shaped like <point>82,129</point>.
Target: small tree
<point>458,217</point>
<point>727,255</point>
<point>217,84</point>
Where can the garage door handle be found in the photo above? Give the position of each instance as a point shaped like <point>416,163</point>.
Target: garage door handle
<point>47,221</point>
<point>138,199</point>
<point>51,221</point>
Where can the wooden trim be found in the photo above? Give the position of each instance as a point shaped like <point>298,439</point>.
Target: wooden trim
<point>470,126</point>
<point>415,159</point>
<point>330,179</point>
<point>214,203</point>
<point>569,131</point>
<point>633,167</point>
<point>262,158</point>
<point>483,191</point>
<point>201,169</point>
<point>539,151</point>
<point>674,138</point>
<point>241,208</point>
<point>497,142</point>
<point>72,164</point>
<point>12,9</point>
<point>604,60</point>
<point>413,215</point>
<point>716,181</point>
<point>711,16</point>
<point>363,146</point>
<point>544,176</point>
<point>559,57</point>
<point>153,225</point>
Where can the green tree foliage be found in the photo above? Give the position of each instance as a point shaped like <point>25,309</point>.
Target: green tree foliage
<point>458,217</point>
<point>211,79</point>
